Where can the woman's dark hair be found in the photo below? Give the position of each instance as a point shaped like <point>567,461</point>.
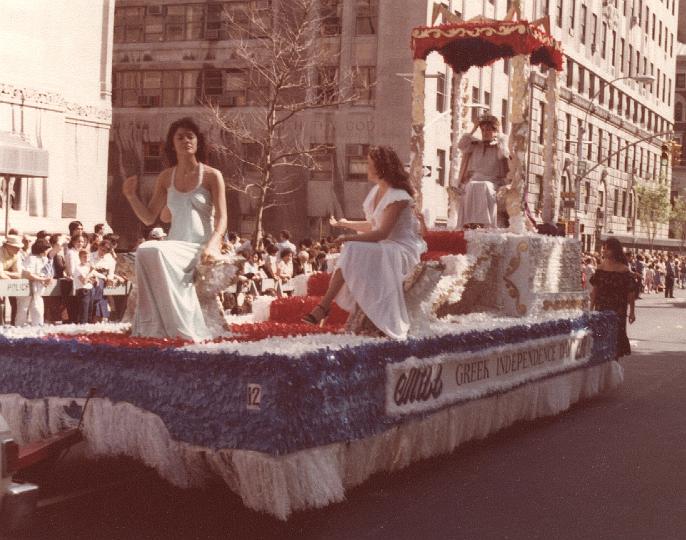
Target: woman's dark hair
<point>616,250</point>
<point>76,236</point>
<point>187,123</point>
<point>40,246</point>
<point>389,167</point>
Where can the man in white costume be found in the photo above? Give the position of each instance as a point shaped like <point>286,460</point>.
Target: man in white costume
<point>484,170</point>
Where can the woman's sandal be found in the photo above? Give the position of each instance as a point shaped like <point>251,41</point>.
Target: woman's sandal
<point>312,319</point>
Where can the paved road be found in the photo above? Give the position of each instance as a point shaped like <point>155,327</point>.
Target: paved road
<point>613,467</point>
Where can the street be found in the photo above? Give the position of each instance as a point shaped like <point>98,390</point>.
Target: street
<point>612,467</point>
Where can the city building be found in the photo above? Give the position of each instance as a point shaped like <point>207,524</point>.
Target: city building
<point>169,55</point>
<point>679,163</point>
<point>55,112</point>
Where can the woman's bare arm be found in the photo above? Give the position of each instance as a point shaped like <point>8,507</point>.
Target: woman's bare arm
<point>389,218</point>
<point>147,214</point>
<point>358,226</point>
<point>216,185</point>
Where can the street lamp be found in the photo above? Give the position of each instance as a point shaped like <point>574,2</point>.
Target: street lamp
<point>647,79</point>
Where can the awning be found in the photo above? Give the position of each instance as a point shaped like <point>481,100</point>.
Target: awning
<point>480,43</point>
<point>20,158</point>
<point>642,242</point>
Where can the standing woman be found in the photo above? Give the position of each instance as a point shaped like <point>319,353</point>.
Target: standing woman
<point>614,288</point>
<point>385,249</point>
<point>168,305</point>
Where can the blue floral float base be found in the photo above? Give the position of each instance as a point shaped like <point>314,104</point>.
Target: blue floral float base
<point>293,432</point>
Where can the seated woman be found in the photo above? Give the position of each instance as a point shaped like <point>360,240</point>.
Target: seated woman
<point>168,305</point>
<point>374,262</point>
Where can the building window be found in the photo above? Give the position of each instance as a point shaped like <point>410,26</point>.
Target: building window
<point>440,92</point>
<point>629,70</point>
<point>324,158</point>
<point>440,168</point>
<point>366,17</point>
<point>589,146</point>
<point>504,115</point>
<point>128,24</point>
<point>620,99</point>
<point>591,85</point>
<point>603,44</point>
<point>179,88</point>
<point>506,66</point>
<point>327,84</point>
<point>613,44</point>
<point>616,202</point>
<point>587,189</point>
<point>600,146</point>
<point>559,8</point>
<point>582,30</point>
<point>152,157</point>
<point>582,84</point>
<point>622,44</point>
<point>541,124</point>
<point>570,72</point>
<point>330,12</point>
<point>572,15</point>
<point>184,22</point>
<point>539,196</point>
<point>364,83</point>
<point>594,32</point>
<point>212,84</point>
<point>681,80</point>
<point>356,158</point>
<point>568,133</point>
<point>476,97</point>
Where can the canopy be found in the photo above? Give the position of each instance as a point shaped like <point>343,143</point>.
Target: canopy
<point>479,43</point>
<point>19,158</point>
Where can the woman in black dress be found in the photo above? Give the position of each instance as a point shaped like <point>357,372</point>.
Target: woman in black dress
<point>614,288</point>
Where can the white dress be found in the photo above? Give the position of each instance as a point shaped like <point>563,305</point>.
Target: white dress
<point>374,271</point>
<point>168,305</point>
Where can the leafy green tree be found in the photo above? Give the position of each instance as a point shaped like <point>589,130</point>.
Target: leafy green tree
<point>678,219</point>
<point>652,208</point>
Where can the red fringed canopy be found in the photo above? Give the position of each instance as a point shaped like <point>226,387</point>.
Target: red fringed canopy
<point>468,44</point>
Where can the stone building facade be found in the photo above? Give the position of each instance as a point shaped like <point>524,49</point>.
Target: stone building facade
<point>55,94</point>
<point>167,51</point>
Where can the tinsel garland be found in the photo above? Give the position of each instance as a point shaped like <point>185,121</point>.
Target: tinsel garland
<point>310,399</point>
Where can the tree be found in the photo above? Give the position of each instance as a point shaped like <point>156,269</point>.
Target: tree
<point>678,219</point>
<point>283,71</point>
<point>652,208</point>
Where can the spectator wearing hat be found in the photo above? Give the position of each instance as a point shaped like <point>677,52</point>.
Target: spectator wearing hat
<point>11,259</point>
<point>9,254</point>
<point>484,170</point>
<point>157,234</point>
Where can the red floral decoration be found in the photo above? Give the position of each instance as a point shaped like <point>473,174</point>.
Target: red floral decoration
<point>292,309</point>
<point>318,283</point>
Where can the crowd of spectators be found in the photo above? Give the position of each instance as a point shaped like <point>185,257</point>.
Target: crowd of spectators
<point>83,264</point>
<point>655,273</point>
<point>271,267</point>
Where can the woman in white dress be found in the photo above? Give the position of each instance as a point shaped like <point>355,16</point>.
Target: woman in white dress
<point>386,248</point>
<point>193,193</point>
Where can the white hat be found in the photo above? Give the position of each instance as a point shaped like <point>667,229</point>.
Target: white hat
<point>157,234</point>
<point>13,240</point>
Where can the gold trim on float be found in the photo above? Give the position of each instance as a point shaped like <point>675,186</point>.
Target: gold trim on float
<point>512,267</point>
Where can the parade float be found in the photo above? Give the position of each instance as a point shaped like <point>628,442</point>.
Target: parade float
<point>291,416</point>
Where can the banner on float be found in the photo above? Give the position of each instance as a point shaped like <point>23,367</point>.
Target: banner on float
<point>424,384</point>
